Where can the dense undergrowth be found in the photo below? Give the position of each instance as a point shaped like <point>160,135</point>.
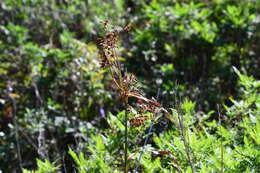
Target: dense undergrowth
<point>59,112</point>
<point>229,144</point>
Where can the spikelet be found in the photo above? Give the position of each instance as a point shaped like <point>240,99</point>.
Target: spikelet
<point>138,121</point>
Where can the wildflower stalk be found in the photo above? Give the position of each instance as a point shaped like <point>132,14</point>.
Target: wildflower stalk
<point>126,84</point>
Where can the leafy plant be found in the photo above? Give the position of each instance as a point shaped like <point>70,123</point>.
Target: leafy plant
<point>43,167</point>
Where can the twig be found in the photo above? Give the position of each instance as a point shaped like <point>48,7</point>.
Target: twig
<point>41,143</point>
<point>41,138</point>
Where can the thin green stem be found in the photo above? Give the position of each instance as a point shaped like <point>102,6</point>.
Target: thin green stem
<point>186,144</point>
<point>221,142</point>
<point>126,142</point>
<point>222,157</point>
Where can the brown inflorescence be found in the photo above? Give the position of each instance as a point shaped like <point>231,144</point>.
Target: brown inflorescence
<point>138,121</point>
<point>125,83</point>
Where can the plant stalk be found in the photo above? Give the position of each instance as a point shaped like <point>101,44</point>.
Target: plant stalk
<point>126,142</point>
<point>186,144</point>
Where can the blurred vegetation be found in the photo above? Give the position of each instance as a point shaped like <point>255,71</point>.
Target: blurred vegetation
<point>58,112</point>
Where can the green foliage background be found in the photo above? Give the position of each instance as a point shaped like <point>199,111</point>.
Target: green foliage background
<point>57,105</point>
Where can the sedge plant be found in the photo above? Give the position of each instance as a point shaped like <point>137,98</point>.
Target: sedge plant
<point>125,84</point>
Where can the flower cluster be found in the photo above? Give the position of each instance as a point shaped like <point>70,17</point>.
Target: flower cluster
<point>126,83</point>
